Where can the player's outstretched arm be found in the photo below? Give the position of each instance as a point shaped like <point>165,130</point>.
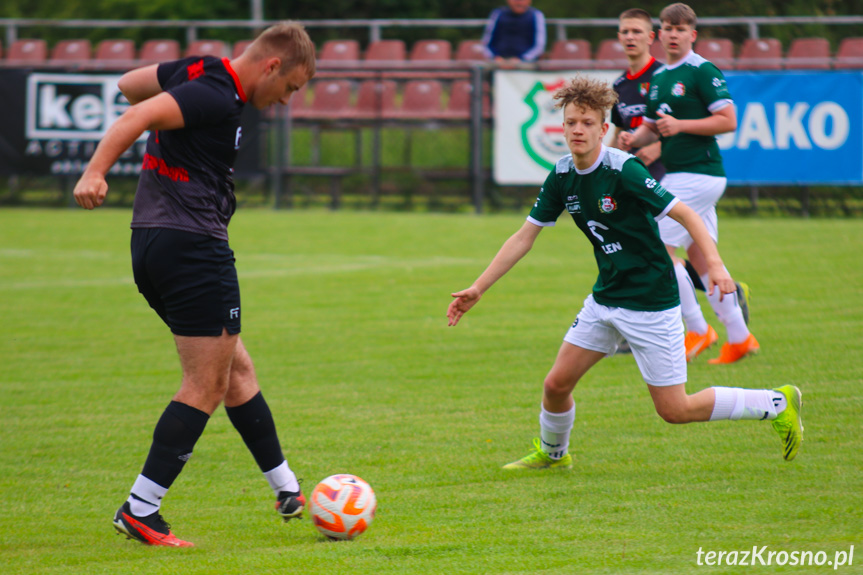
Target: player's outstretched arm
<point>717,274</point>
<point>158,113</point>
<point>512,250</point>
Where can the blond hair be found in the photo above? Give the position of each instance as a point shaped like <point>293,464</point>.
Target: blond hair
<point>587,93</point>
<point>288,41</point>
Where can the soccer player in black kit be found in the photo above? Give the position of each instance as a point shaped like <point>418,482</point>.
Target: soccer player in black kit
<point>636,34</point>
<point>181,259</point>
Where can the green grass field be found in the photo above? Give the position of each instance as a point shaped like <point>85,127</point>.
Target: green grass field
<point>344,314</point>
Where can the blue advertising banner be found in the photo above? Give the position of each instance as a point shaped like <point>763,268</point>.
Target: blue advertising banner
<point>795,128</point>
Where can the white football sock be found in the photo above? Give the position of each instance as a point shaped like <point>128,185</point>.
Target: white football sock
<point>729,313</point>
<point>281,478</point>
<point>145,497</point>
<point>689,307</point>
<point>554,429</point>
<point>737,403</point>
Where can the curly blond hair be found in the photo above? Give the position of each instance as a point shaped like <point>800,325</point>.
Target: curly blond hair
<point>586,93</point>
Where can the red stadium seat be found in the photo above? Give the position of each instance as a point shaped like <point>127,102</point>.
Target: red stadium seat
<point>153,51</point>
<point>376,99</point>
<point>470,51</point>
<point>760,54</point>
<point>71,51</point>
<point>422,100</point>
<point>115,50</point>
<point>299,102</point>
<point>720,51</point>
<point>29,51</point>
<point>215,48</point>
<point>610,55</point>
<point>570,54</point>
<point>240,47</point>
<point>460,96</point>
<point>392,51</point>
<point>330,99</point>
<point>808,54</point>
<point>849,54</point>
<point>431,52</point>
<point>339,51</point>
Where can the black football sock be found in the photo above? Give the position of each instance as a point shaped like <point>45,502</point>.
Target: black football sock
<point>254,421</point>
<point>173,441</point>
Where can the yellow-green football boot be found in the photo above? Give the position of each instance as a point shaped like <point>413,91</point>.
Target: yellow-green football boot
<point>538,459</point>
<point>789,424</point>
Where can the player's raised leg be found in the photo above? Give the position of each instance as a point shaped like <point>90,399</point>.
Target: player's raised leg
<point>782,406</point>
<point>251,416</point>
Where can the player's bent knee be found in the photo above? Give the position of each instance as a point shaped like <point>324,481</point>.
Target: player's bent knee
<point>556,388</point>
<point>673,414</point>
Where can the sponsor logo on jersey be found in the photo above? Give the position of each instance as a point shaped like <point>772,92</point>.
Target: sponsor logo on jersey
<point>593,225</point>
<point>678,89</point>
<point>163,169</point>
<point>650,183</point>
<point>195,70</point>
<point>612,247</point>
<point>607,204</point>
<point>643,88</point>
<point>573,205</point>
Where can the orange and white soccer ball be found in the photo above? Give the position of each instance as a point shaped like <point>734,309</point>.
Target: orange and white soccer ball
<point>342,506</point>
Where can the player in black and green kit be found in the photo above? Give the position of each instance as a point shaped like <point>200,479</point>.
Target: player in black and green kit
<point>688,105</point>
<point>616,203</point>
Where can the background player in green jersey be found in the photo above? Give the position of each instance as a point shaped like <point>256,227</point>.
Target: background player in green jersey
<point>688,105</point>
<point>615,202</point>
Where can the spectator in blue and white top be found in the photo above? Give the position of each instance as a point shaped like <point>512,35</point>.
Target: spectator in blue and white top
<point>515,33</point>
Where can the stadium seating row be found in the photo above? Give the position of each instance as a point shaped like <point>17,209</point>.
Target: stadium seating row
<point>754,54</point>
<point>418,99</point>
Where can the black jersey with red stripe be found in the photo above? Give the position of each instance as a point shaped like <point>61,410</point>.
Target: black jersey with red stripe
<point>186,179</point>
<point>631,106</point>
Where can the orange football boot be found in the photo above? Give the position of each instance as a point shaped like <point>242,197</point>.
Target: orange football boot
<point>732,352</point>
<point>696,343</point>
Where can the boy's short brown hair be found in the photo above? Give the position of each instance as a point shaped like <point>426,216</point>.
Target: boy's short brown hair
<point>637,14</point>
<point>587,93</point>
<point>677,14</point>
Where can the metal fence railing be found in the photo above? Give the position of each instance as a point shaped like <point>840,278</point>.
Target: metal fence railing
<point>375,27</point>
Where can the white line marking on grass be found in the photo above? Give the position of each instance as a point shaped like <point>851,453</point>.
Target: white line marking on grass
<point>286,266</point>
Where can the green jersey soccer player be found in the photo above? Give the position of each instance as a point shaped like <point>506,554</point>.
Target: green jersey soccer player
<point>688,105</point>
<point>616,203</point>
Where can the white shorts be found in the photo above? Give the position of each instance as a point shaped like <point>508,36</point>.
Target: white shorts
<point>699,192</point>
<point>655,337</point>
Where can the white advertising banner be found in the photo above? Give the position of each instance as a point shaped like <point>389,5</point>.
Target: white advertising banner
<point>528,131</point>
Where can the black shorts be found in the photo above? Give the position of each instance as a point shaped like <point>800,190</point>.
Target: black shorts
<point>189,279</point>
